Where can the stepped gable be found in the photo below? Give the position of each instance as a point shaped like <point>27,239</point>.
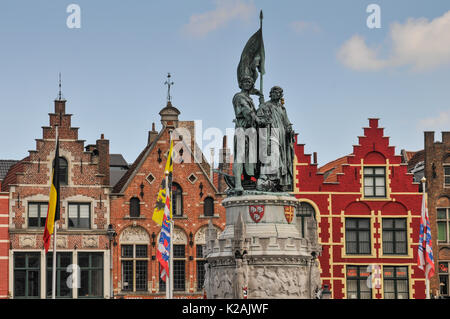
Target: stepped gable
<point>372,148</point>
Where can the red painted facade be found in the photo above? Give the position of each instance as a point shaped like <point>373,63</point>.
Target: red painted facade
<point>336,192</point>
<point>4,245</point>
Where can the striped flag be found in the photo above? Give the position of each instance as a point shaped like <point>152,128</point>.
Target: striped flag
<point>425,259</point>
<point>163,252</point>
<point>53,202</point>
<point>159,211</point>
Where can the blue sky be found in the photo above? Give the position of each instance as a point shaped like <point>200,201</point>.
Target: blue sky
<point>335,71</point>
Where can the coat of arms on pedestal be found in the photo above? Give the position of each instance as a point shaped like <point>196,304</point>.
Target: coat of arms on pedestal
<point>256,212</point>
<point>289,213</point>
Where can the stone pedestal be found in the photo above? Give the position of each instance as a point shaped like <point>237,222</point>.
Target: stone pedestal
<point>262,252</point>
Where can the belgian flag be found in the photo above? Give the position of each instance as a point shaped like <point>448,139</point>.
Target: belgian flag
<point>53,202</point>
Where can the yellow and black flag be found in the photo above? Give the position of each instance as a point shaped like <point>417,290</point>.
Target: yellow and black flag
<point>158,213</point>
<point>53,202</point>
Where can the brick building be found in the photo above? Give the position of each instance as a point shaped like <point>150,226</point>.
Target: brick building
<point>4,233</point>
<point>196,201</point>
<point>4,245</point>
<point>82,230</point>
<point>368,211</point>
<point>437,173</point>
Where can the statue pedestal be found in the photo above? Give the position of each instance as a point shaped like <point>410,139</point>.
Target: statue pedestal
<point>262,252</point>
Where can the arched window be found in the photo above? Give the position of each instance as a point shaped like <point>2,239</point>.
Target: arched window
<point>208,206</point>
<point>63,170</point>
<point>305,211</point>
<point>135,207</point>
<point>177,200</point>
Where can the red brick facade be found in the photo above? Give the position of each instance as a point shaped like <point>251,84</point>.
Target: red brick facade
<point>142,181</point>
<point>87,190</point>
<point>437,158</point>
<point>337,194</point>
<point>4,245</point>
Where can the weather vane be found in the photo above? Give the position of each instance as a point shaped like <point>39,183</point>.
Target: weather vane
<point>169,84</point>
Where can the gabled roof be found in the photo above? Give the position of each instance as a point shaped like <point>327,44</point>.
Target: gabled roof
<point>331,169</point>
<point>117,160</point>
<point>413,158</point>
<point>11,176</point>
<point>5,165</point>
<point>118,188</point>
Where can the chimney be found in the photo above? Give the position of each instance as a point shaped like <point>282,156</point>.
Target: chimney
<point>152,134</point>
<point>446,138</point>
<point>211,172</point>
<point>429,139</point>
<point>103,160</point>
<point>315,158</point>
<point>224,164</point>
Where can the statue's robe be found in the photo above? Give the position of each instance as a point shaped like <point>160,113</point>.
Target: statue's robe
<point>279,164</point>
<point>245,112</point>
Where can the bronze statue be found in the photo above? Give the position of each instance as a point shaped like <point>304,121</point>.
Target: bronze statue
<point>264,138</point>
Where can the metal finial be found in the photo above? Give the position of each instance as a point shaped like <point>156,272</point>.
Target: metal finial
<point>59,94</point>
<point>169,84</point>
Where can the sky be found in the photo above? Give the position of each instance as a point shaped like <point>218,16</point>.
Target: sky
<point>336,72</point>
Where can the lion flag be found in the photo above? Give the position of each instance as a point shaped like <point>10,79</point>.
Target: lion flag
<point>158,212</point>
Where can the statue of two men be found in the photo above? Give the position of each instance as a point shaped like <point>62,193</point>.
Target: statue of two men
<point>264,140</point>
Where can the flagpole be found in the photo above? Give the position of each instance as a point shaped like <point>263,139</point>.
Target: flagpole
<point>168,276</point>
<point>260,73</point>
<point>55,227</point>
<point>171,227</point>
<point>427,280</point>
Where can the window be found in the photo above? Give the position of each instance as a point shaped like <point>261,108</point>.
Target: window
<point>63,260</point>
<point>179,269</point>
<point>200,267</point>
<point>305,210</point>
<point>134,267</point>
<point>91,273</point>
<point>395,281</point>
<point>394,236</point>
<point>63,171</point>
<point>374,182</point>
<point>79,215</point>
<point>37,213</point>
<point>357,287</point>
<point>444,278</point>
<point>177,200</point>
<point>135,207</point>
<point>443,223</point>
<point>357,235</point>
<point>26,275</point>
<point>208,207</point>
<point>446,176</point>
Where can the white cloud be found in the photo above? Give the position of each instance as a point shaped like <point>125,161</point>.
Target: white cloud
<point>226,10</point>
<point>304,26</point>
<point>438,123</point>
<point>418,43</point>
